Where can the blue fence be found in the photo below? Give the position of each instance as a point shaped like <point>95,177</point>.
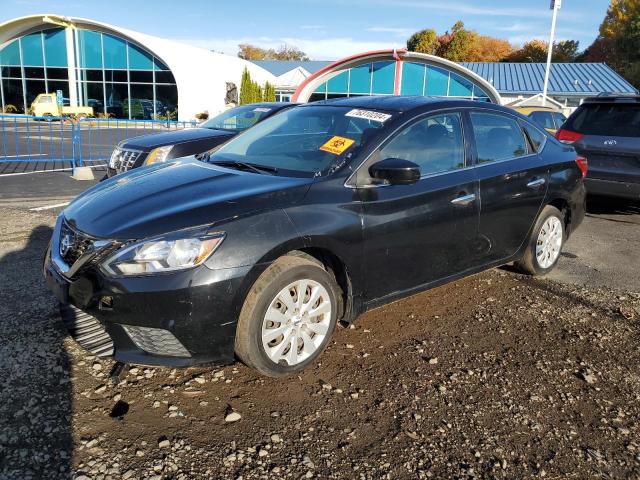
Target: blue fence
<point>65,143</point>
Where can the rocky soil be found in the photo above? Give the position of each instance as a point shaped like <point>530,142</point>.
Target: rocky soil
<point>495,376</point>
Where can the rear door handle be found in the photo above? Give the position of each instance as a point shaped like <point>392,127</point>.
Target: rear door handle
<point>464,199</point>
<point>536,183</point>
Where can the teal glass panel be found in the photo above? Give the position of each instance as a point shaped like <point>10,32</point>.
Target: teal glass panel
<point>55,48</point>
<point>10,55</point>
<point>383,77</point>
<point>321,89</point>
<point>437,82</point>
<point>479,94</point>
<point>32,50</point>
<point>89,49</point>
<point>412,79</point>
<point>460,87</point>
<point>158,65</point>
<point>360,81</point>
<point>339,83</point>
<point>139,60</point>
<point>115,52</point>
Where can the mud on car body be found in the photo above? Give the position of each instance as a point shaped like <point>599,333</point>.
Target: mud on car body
<point>315,215</point>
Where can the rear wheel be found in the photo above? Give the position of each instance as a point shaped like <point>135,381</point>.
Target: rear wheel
<point>288,317</point>
<point>545,244</point>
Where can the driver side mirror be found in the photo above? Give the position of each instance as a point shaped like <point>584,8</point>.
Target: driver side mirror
<point>395,171</point>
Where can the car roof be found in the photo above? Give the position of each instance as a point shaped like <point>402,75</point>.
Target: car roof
<point>606,98</point>
<point>270,104</point>
<point>403,103</point>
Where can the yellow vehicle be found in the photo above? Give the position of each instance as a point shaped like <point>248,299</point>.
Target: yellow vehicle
<point>548,118</point>
<point>46,105</point>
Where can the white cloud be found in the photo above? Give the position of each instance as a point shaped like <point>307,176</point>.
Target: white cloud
<point>317,49</point>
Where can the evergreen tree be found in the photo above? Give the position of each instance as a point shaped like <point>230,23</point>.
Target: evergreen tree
<point>246,88</point>
<point>269,93</point>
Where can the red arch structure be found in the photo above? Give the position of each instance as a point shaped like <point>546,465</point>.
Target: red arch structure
<point>399,56</point>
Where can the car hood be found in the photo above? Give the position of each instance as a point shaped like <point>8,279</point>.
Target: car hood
<point>149,142</point>
<point>172,196</point>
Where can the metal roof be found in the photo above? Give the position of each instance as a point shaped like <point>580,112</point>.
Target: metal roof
<point>278,67</point>
<point>569,79</point>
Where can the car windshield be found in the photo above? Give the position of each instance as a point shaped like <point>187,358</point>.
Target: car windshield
<point>303,141</point>
<point>606,119</point>
<point>239,118</point>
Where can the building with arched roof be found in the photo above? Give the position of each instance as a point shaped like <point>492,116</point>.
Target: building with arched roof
<point>116,71</point>
<point>395,72</point>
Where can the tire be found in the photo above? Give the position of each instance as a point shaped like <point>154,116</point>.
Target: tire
<point>254,344</point>
<point>540,259</point>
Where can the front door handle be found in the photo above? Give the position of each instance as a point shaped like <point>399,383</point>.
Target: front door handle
<point>536,183</point>
<point>464,199</point>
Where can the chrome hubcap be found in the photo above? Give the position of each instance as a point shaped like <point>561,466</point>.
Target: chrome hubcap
<point>296,322</point>
<point>549,242</point>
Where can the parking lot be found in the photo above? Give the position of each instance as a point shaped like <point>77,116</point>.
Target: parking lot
<point>499,375</point>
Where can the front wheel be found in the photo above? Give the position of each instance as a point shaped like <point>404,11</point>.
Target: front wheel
<point>288,317</point>
<point>545,243</point>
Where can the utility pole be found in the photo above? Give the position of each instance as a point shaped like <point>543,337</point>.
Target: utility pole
<point>555,6</point>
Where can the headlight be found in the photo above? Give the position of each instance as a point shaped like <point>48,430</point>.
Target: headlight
<point>173,252</point>
<point>158,155</point>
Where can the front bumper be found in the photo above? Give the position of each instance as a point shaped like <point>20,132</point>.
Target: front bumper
<point>178,319</point>
<point>609,188</point>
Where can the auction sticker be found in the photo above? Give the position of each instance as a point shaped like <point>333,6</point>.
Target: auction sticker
<point>337,145</point>
<point>368,115</point>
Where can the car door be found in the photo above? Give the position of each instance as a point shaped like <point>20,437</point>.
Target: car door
<point>419,233</point>
<point>513,182</point>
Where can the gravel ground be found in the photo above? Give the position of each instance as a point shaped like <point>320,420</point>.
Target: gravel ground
<point>495,376</point>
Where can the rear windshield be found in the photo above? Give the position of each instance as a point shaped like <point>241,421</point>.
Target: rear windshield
<point>613,120</point>
<point>238,119</point>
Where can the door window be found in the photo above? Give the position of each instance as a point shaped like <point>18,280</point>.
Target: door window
<point>498,137</point>
<point>535,135</point>
<point>434,143</point>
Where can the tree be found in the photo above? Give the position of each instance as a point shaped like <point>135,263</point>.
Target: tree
<point>246,88</point>
<point>424,41</point>
<point>251,52</point>
<point>460,45</point>
<point>619,41</point>
<point>269,94</point>
<point>534,51</point>
<point>457,45</point>
<point>288,52</point>
<point>565,51</point>
<point>285,52</point>
<point>489,49</point>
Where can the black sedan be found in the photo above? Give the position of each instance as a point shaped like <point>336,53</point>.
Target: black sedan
<point>161,147</point>
<point>314,216</point>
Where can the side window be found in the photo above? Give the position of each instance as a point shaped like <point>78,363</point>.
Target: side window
<point>559,118</point>
<point>435,144</point>
<point>535,135</point>
<point>544,119</point>
<point>498,137</point>
<point>45,100</point>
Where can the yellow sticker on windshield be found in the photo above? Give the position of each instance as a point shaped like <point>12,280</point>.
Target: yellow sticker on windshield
<point>337,145</point>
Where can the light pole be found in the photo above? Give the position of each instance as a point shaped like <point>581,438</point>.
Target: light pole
<point>555,6</point>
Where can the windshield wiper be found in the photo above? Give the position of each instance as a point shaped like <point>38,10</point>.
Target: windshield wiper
<point>247,166</point>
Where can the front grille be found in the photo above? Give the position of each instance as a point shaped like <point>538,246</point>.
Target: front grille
<point>87,331</point>
<point>156,340</point>
<point>123,159</point>
<point>73,244</point>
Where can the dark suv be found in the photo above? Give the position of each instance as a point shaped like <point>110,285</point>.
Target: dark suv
<point>606,130</point>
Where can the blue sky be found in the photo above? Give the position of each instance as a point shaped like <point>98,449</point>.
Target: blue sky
<point>324,29</point>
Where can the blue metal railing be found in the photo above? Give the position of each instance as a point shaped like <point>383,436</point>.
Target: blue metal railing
<point>69,143</point>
